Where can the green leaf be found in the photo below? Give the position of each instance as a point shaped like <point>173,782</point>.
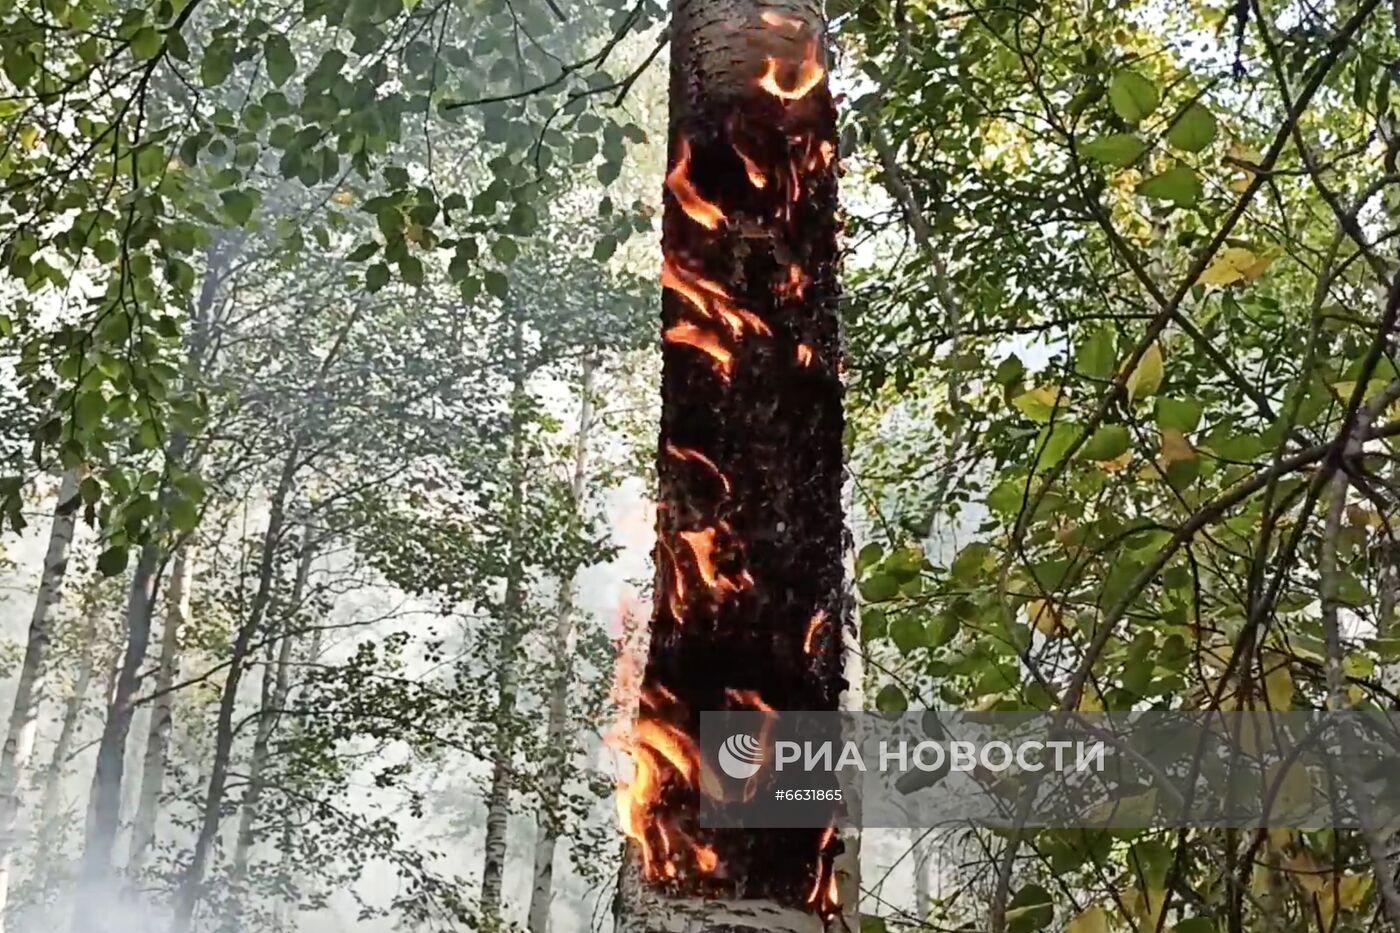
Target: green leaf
<point>1031,909</point>
<point>281,63</point>
<point>604,249</point>
<point>1117,149</point>
<point>1097,356</point>
<point>1107,443</point>
<point>376,276</point>
<point>891,699</point>
<point>1178,185</point>
<point>1193,130</point>
<point>879,587</point>
<point>907,632</point>
<point>239,205</point>
<point>112,561</point>
<point>496,283</point>
<point>146,44</point>
<point>184,515</point>
<point>363,252</point>
<point>506,250</point>
<point>411,268</point>
<point>1182,414</point>
<point>1133,96</point>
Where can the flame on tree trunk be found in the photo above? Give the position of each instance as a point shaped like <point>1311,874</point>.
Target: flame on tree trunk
<point>750,581</point>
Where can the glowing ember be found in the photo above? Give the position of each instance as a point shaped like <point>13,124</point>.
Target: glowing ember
<point>705,213</point>
<point>691,336</point>
<point>793,284</point>
<point>808,74</point>
<point>804,355</point>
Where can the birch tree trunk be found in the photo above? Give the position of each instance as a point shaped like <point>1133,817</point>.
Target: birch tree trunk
<point>51,795</point>
<point>507,674</point>
<point>24,715</point>
<point>143,830</point>
<point>557,729</point>
<point>276,686</point>
<point>188,890</point>
<point>752,597</point>
<point>95,890</point>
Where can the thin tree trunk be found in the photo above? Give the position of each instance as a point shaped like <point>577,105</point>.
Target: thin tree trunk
<point>556,731</point>
<point>507,675</point>
<point>51,795</point>
<point>276,685</point>
<point>752,602</point>
<point>143,831</point>
<point>95,893</point>
<point>24,715</point>
<point>187,892</point>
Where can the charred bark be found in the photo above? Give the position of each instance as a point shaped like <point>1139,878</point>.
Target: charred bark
<point>751,585</point>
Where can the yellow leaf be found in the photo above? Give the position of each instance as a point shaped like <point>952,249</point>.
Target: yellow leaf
<point>1089,920</point>
<point>1348,894</point>
<point>1294,796</point>
<point>1235,264</point>
<point>343,196</point>
<point>29,136</point>
<point>1278,684</point>
<point>1176,447</point>
<point>1146,379</point>
<point>1039,404</point>
<point>1042,615</point>
<point>1306,872</point>
<point>1145,907</point>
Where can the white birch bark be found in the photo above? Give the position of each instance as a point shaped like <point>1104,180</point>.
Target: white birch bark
<point>24,715</point>
<point>153,765</point>
<point>542,889</point>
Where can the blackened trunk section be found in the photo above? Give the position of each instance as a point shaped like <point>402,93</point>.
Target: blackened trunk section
<point>750,460</point>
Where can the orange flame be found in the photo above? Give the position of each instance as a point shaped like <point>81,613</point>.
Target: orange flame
<point>809,73</point>
<point>705,213</point>
<point>757,178</point>
<point>710,299</point>
<point>804,355</point>
<point>702,545</point>
<point>812,628</point>
<point>695,456</point>
<point>661,754</point>
<point>704,341</point>
<point>794,283</point>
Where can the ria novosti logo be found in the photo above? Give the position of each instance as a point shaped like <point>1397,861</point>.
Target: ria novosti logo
<point>740,756</point>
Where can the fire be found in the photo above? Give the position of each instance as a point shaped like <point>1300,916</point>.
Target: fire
<point>825,895</point>
<point>813,628</point>
<point>710,300</point>
<point>661,755</point>
<point>703,546</point>
<point>793,284</point>
<point>695,456</point>
<point>809,74</point>
<point>704,341</point>
<point>705,213</point>
<point>756,175</point>
<point>804,355</point>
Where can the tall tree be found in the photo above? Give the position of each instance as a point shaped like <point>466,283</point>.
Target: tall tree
<point>751,593</point>
<point>24,716</point>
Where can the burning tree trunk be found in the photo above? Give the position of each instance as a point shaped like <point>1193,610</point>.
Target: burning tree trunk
<point>751,586</point>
